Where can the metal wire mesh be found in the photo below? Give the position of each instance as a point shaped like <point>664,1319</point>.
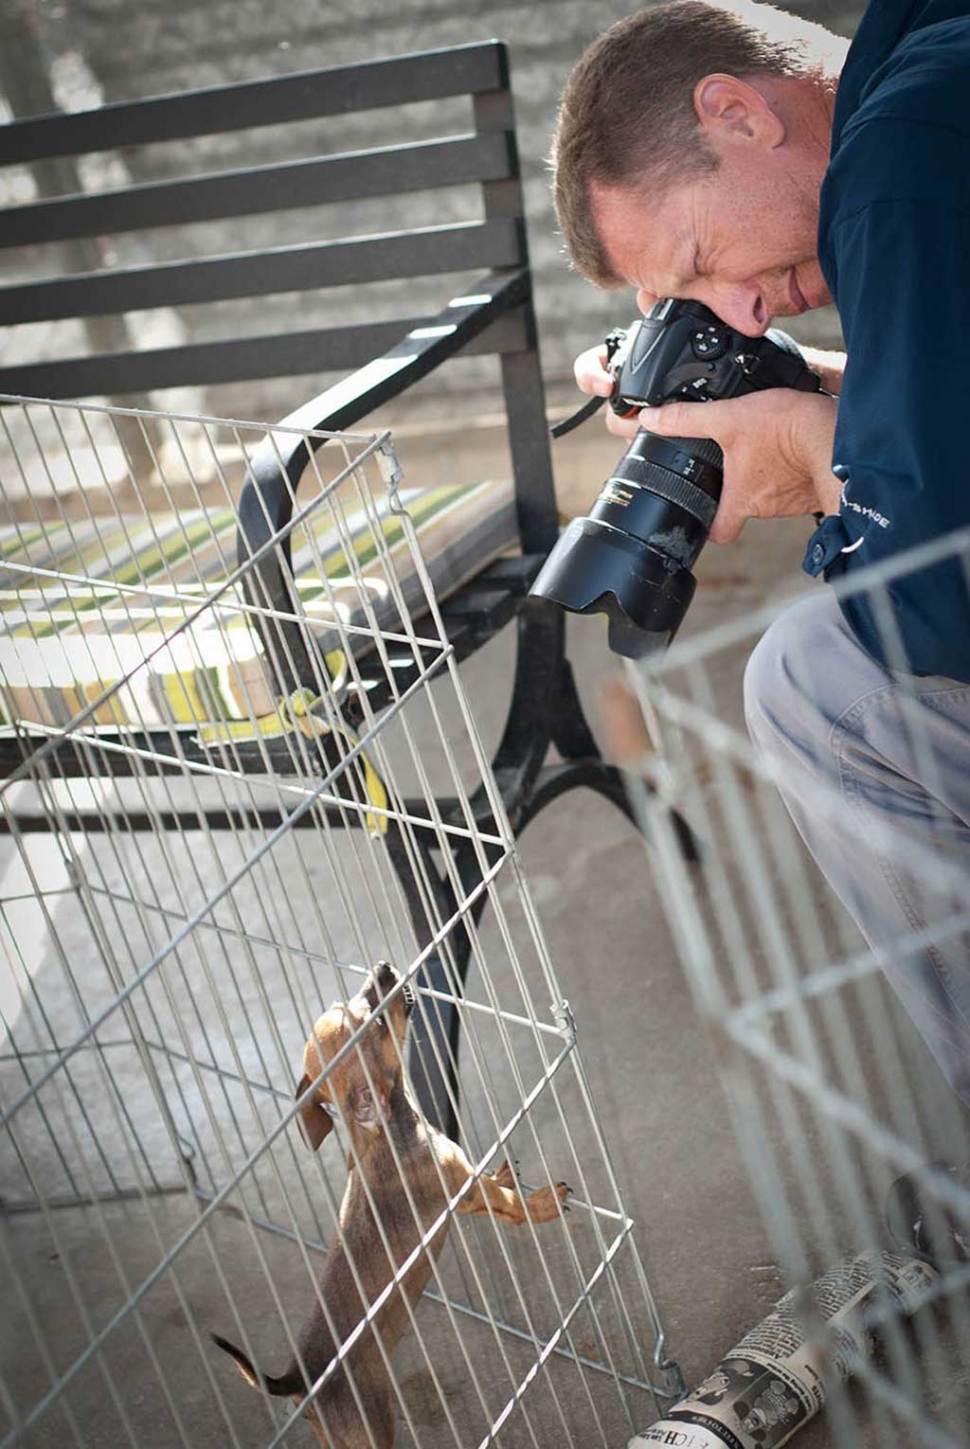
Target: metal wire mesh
<point>194,868</point>
<point>834,1094</point>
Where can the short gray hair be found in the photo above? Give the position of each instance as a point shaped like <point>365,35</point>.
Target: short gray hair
<point>627,114</point>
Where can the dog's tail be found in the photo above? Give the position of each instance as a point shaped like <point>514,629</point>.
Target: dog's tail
<point>289,1383</point>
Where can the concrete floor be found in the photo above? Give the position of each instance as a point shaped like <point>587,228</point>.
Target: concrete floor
<point>712,1262</point>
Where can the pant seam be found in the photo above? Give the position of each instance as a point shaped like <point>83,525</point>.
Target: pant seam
<point>852,795</point>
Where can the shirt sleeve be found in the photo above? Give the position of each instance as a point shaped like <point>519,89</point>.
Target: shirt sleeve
<point>902,272</point>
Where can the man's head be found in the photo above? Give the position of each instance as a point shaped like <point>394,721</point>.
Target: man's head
<point>690,148</point>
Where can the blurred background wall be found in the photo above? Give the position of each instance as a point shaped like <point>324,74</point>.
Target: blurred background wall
<point>115,50</point>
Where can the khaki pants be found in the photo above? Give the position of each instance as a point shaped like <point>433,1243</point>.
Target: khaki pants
<point>874,768</point>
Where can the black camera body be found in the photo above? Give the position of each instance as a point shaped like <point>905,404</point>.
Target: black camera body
<point>631,556</point>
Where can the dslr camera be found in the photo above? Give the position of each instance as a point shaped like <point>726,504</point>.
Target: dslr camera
<point>631,556</point>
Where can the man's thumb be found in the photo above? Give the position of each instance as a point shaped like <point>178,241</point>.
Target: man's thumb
<point>678,420</point>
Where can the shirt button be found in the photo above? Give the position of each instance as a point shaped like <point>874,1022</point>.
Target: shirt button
<point>818,553</point>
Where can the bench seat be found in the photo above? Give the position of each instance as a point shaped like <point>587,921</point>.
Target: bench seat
<point>64,641</point>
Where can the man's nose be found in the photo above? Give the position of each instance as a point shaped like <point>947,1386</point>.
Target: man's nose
<point>744,308</point>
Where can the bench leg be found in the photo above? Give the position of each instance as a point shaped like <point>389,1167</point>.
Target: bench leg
<point>435,1021</point>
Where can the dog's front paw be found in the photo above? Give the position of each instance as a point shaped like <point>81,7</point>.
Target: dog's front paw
<point>547,1202</point>
<point>505,1176</point>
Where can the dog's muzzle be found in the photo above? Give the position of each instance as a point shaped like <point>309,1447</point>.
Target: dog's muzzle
<point>385,978</point>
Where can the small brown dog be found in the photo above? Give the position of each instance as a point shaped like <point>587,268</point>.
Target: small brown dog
<point>379,1113</point>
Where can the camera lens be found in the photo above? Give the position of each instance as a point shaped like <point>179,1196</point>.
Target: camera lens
<point>631,557</point>
<point>664,491</point>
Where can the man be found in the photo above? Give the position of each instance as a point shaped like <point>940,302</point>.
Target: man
<point>743,159</point>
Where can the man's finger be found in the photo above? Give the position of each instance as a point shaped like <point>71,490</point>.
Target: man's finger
<point>590,373</point>
<point>621,427</point>
<point>685,420</point>
<point>726,529</point>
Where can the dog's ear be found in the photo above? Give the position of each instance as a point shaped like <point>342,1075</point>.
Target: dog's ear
<point>315,1121</point>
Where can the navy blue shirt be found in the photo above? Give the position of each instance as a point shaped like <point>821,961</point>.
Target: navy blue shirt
<point>894,246</point>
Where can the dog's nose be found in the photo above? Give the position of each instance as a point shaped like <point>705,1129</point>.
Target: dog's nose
<point>385,975</point>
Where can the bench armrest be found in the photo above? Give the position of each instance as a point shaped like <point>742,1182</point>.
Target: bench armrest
<point>277,465</point>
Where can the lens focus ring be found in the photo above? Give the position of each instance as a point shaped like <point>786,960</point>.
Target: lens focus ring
<point>673,452</point>
<point>669,486</point>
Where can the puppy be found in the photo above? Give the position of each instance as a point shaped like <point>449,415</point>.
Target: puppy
<point>377,1108</point>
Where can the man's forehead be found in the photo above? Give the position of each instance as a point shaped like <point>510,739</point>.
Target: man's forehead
<point>644,243</point>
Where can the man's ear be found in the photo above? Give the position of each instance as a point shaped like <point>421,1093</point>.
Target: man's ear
<point>729,109</point>
<point>316,1122</point>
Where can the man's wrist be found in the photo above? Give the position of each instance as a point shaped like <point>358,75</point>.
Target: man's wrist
<point>829,493</point>
<point>816,418</point>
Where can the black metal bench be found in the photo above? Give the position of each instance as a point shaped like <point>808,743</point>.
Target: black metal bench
<point>495,315</point>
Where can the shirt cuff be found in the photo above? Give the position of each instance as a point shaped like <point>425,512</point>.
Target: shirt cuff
<point>825,545</point>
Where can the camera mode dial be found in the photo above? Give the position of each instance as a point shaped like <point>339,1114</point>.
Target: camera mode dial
<point>709,342</point>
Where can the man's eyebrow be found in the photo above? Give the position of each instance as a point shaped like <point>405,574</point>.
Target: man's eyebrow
<point>688,261</point>
<point>683,263</point>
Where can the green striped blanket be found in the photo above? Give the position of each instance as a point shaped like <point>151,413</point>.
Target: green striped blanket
<point>124,607</point>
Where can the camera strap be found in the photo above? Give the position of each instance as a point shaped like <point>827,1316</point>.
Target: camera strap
<point>559,430</point>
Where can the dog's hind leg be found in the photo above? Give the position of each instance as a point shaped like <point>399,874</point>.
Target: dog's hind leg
<point>327,1436</point>
<point>340,1426</point>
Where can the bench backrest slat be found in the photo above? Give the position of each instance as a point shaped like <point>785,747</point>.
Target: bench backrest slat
<point>434,75</point>
<point>428,252</point>
<point>312,350</point>
<point>352,177</point>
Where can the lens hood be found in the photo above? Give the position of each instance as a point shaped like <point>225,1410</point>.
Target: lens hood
<point>597,569</point>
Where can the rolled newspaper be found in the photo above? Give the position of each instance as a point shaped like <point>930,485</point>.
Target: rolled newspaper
<point>775,1380</point>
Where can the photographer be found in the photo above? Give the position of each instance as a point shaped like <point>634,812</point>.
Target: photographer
<point>750,160</point>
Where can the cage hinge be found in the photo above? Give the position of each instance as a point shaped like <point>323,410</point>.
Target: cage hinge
<point>562,1015</point>
<point>391,471</point>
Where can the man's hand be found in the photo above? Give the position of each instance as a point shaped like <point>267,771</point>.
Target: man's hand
<point>592,377</point>
<point>829,365</point>
<point>777,449</point>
